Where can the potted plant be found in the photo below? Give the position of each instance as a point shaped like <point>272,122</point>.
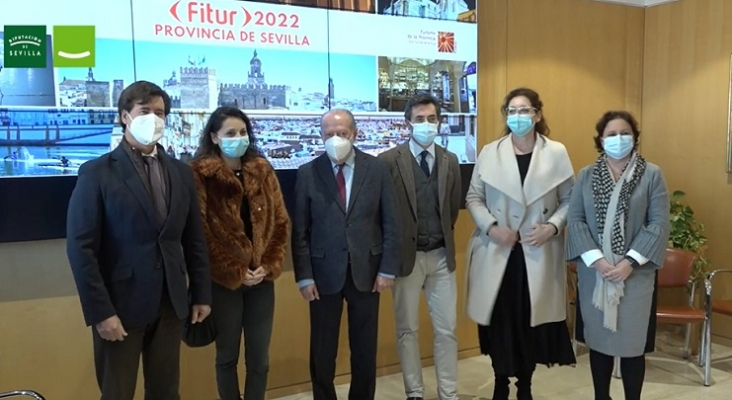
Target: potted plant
<point>687,234</point>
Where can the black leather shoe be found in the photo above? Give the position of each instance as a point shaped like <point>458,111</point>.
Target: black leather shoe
<point>414,398</point>
<point>500,388</point>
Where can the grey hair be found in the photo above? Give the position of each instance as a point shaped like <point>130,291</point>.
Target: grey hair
<point>336,111</point>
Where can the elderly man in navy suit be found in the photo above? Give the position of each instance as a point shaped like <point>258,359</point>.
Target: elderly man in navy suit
<point>345,245</point>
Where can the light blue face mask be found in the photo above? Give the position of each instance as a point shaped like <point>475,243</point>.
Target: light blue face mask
<point>618,146</point>
<point>520,125</point>
<point>234,147</point>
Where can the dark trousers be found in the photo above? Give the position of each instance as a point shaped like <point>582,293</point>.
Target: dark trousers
<point>159,344</point>
<point>249,309</point>
<point>325,324</point>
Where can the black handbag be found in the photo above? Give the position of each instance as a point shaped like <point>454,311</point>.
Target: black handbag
<point>200,334</point>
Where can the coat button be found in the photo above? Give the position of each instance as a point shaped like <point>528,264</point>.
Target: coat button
<point>157,265</point>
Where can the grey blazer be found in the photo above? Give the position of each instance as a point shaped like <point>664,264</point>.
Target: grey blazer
<point>648,225</point>
<point>400,160</point>
<point>325,237</point>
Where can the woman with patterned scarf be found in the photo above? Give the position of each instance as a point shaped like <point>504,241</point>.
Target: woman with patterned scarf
<point>617,232</point>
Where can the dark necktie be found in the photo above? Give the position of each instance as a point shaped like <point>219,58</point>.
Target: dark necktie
<point>157,185</point>
<point>341,182</point>
<point>423,163</point>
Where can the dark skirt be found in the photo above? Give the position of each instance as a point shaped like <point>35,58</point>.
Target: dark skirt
<point>579,325</point>
<point>514,346</point>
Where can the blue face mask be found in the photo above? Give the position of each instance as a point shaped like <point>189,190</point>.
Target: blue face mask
<point>618,146</point>
<point>234,147</point>
<point>520,125</point>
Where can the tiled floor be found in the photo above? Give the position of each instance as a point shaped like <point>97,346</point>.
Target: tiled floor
<point>668,380</point>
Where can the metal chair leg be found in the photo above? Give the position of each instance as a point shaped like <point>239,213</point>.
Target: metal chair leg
<point>703,344</point>
<point>687,339</point>
<point>707,352</point>
<point>617,373</point>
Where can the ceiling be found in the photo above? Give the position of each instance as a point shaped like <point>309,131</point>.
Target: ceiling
<point>638,3</point>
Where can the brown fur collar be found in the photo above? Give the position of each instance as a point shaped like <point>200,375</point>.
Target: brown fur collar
<point>220,194</point>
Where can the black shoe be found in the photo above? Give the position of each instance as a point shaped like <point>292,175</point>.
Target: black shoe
<point>414,398</point>
<point>524,387</point>
<point>500,388</point>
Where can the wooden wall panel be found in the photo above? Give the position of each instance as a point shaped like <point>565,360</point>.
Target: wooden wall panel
<point>685,108</point>
<point>583,57</point>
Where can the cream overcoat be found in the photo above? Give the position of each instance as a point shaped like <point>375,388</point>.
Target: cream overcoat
<point>496,195</point>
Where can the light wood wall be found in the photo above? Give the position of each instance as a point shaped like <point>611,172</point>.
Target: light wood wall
<point>685,110</point>
<point>583,57</point>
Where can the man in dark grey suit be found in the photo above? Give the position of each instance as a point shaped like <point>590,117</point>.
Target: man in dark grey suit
<point>133,234</point>
<point>427,180</point>
<point>345,245</point>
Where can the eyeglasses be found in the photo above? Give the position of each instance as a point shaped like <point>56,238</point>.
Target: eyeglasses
<point>520,110</point>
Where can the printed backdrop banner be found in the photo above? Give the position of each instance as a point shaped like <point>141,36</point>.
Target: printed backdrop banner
<point>231,24</point>
<point>284,65</point>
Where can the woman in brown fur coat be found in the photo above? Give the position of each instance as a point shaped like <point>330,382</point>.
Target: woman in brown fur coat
<point>246,226</point>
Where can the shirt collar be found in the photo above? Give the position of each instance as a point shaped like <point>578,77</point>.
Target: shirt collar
<point>153,153</point>
<point>416,149</point>
<point>350,160</point>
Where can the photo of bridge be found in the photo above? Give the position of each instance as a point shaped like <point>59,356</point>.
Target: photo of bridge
<point>52,141</point>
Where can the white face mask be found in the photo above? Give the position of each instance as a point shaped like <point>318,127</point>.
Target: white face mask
<point>424,133</point>
<point>618,146</point>
<point>147,129</point>
<point>338,148</point>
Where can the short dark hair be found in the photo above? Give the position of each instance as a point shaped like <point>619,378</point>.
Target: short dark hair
<point>140,92</point>
<point>611,116</point>
<point>421,99</point>
<point>541,127</point>
<point>206,146</point>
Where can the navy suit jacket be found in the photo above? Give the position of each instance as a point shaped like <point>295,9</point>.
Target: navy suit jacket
<point>325,237</point>
<point>121,255</point>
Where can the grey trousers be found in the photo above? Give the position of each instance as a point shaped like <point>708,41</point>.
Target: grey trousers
<point>251,310</point>
<point>431,274</point>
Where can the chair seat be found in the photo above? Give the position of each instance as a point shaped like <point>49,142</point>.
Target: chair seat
<point>722,307</point>
<point>679,315</point>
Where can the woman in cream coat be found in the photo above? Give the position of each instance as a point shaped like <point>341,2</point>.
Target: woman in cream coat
<point>518,198</point>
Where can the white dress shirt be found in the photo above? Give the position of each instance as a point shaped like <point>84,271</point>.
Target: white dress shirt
<point>417,150</point>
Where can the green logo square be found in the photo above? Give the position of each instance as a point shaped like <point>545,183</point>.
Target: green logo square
<point>74,46</point>
<point>25,46</point>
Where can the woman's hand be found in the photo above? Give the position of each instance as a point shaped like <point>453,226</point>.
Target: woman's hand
<point>255,277</point>
<point>620,272</point>
<point>603,267</point>
<point>503,235</point>
<point>538,235</point>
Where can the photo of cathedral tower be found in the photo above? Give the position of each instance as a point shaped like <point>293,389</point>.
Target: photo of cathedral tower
<point>256,94</point>
<point>448,10</point>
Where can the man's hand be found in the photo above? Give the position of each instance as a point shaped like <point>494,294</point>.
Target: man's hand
<point>310,292</point>
<point>538,235</point>
<point>502,235</point>
<point>621,272</point>
<point>382,284</point>
<point>603,267</point>
<point>111,329</point>
<point>199,312</point>
<point>255,277</point>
